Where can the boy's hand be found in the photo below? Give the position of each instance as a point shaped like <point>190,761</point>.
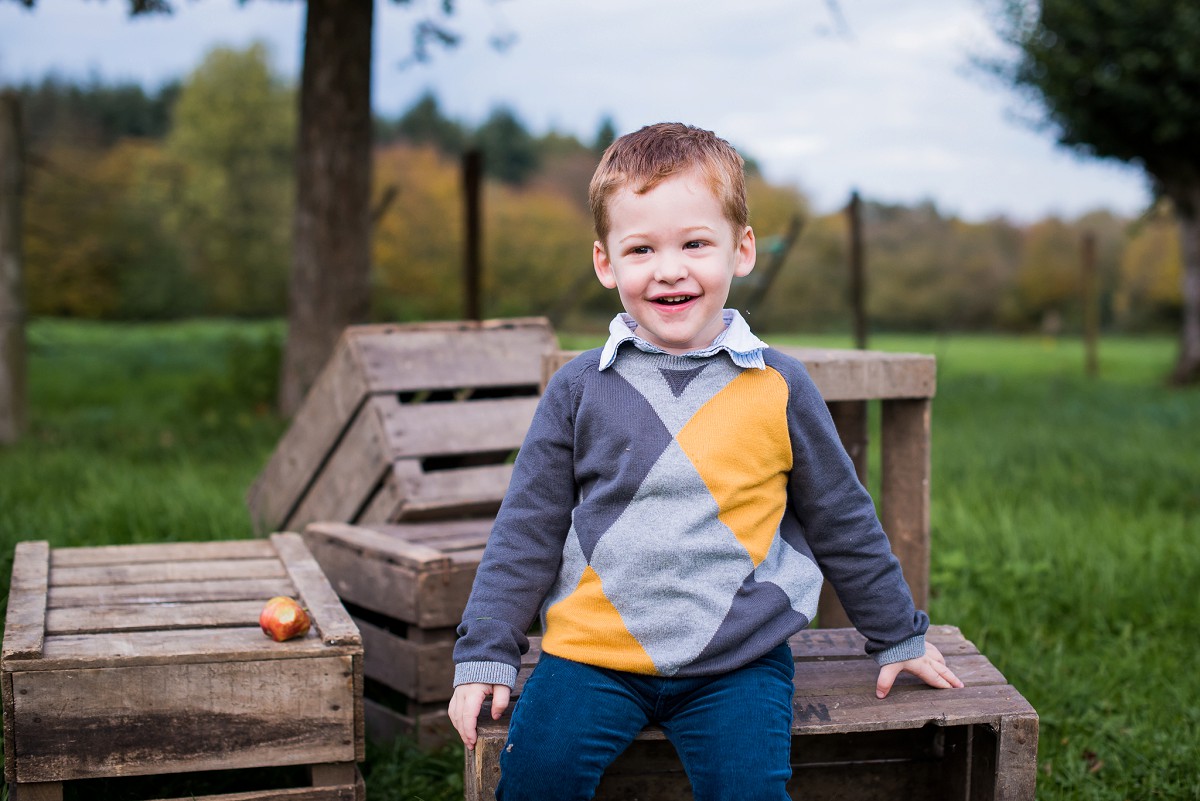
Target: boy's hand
<point>930,668</point>
<point>466,703</point>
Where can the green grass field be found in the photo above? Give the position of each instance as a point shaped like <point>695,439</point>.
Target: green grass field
<point>1065,517</point>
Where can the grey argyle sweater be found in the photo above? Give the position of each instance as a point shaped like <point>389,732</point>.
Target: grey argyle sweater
<point>673,515</point>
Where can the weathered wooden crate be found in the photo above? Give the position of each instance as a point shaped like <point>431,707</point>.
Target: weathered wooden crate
<point>405,586</point>
<point>142,660</point>
<point>978,743</point>
<point>407,422</point>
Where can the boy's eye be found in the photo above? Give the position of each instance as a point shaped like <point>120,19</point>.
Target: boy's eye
<point>640,250</point>
<point>695,243</point>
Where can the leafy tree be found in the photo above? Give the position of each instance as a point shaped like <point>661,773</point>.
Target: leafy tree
<point>57,111</point>
<point>1119,80</point>
<point>423,124</point>
<point>606,134</point>
<point>509,151</point>
<point>233,135</point>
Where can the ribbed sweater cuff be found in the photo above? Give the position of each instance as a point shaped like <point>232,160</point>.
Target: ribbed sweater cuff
<point>911,648</point>
<point>485,673</point>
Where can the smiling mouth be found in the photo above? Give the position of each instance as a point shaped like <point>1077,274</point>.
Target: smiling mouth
<point>673,300</point>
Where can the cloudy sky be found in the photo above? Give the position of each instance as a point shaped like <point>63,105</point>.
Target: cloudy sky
<point>872,95</point>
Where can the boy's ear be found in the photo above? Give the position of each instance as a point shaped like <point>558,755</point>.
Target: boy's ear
<point>604,268</point>
<point>747,253</point>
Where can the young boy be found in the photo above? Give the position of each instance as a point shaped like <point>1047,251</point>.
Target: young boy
<point>676,501</point>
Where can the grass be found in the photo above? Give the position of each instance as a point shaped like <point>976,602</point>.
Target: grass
<point>1064,517</point>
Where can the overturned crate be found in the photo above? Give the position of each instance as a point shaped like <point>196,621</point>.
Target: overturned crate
<point>407,422</point>
<point>405,586</point>
<point>147,661</point>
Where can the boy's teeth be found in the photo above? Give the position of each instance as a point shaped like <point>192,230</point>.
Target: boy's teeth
<point>676,299</point>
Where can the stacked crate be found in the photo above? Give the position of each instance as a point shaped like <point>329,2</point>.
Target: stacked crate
<point>407,422</point>
<point>394,468</point>
<point>147,660</point>
<point>405,586</point>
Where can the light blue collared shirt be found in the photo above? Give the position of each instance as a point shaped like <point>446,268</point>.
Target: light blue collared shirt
<point>737,339</point>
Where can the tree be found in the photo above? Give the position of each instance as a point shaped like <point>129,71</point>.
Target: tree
<point>1118,80</point>
<point>12,307</point>
<point>233,135</point>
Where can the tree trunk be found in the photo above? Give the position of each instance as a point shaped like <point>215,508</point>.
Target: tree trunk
<point>12,301</point>
<point>330,272</point>
<point>1187,367</point>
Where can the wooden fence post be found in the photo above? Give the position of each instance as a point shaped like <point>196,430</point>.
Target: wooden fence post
<point>12,302</point>
<point>473,217</point>
<point>858,272</point>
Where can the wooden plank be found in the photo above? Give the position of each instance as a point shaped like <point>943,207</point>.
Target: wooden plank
<point>421,671</point>
<point>444,429</point>
<point>333,774</point>
<point>393,544</point>
<point>347,792</point>
<point>124,648</point>
<point>160,552</point>
<point>825,644</point>
<point>170,592</point>
<point>429,599</point>
<point>841,375</point>
<point>1016,759</point>
<point>345,482</point>
<point>410,495</point>
<point>387,359</point>
<point>6,692</point>
<point>152,617</point>
<point>905,440</point>
<point>331,621</point>
<point>154,572</point>
<point>39,791</point>
<point>79,724</point>
<point>25,620</point>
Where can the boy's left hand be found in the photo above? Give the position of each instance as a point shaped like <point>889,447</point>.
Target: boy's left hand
<point>930,668</point>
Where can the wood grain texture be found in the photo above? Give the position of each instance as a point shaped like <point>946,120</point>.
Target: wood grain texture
<point>25,620</point>
<point>223,715</point>
<point>160,552</point>
<point>333,624</point>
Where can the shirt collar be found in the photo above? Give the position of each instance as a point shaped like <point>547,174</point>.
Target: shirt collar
<point>737,340</point>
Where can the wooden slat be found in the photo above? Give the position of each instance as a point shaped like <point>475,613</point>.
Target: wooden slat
<point>25,620</point>
<point>164,572</point>
<point>410,495</point>
<point>370,360</point>
<point>350,792</point>
<point>904,498</point>
<point>120,649</point>
<point>1016,758</point>
<point>441,429</point>
<point>170,592</point>
<point>153,617</point>
<point>328,616</point>
<point>378,542</point>
<point>79,724</point>
<point>430,729</point>
<point>160,552</point>
<point>422,671</point>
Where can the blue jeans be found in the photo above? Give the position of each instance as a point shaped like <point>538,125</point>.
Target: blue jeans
<point>732,731</point>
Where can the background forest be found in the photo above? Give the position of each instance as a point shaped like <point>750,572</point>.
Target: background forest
<point>176,203</point>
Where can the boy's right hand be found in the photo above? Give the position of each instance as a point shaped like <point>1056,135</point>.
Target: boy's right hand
<point>466,703</point>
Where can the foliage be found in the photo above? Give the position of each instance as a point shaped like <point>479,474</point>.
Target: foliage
<point>233,134</point>
<point>1063,517</point>
<point>56,111</point>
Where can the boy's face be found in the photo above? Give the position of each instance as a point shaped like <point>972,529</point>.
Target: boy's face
<point>671,254</point>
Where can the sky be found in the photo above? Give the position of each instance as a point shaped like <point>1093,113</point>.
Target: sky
<point>873,96</point>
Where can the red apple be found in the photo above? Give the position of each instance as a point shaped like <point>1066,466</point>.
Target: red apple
<point>282,619</point>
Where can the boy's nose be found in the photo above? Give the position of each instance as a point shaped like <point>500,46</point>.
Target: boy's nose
<point>670,269</point>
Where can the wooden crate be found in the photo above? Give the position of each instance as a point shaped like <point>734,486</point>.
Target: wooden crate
<point>407,422</point>
<point>138,660</point>
<point>405,586</point>
<point>977,743</point>
<point>903,384</point>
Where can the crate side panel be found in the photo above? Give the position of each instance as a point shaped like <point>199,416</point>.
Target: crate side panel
<point>76,724</point>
